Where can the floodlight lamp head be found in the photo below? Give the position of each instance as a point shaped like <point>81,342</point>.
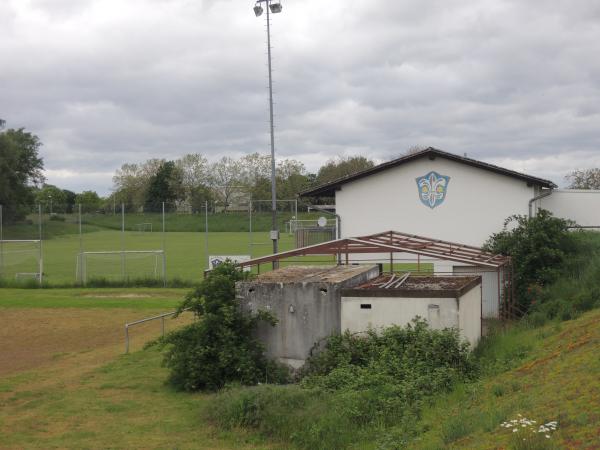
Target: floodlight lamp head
<point>258,10</point>
<point>275,7</point>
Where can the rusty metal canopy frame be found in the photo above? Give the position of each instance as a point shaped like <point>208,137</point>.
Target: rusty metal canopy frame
<point>390,242</point>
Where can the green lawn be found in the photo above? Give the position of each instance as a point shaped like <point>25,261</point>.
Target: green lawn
<point>185,253</point>
<point>124,404</point>
<point>131,298</point>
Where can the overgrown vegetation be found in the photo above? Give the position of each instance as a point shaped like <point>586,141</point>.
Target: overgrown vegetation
<point>221,347</point>
<point>378,391</point>
<point>538,246</point>
<point>356,387</point>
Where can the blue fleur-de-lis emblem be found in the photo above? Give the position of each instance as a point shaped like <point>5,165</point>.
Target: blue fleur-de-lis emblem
<point>432,188</point>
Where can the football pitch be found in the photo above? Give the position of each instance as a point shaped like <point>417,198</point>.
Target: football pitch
<point>185,253</point>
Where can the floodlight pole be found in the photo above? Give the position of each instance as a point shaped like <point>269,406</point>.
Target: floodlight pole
<point>274,227</point>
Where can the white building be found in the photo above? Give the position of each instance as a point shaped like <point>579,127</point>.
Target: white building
<point>445,196</point>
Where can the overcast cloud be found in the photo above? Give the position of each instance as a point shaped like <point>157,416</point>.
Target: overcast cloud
<point>104,82</point>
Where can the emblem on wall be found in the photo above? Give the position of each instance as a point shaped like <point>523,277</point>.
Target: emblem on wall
<point>433,188</point>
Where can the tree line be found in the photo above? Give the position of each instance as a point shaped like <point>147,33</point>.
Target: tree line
<point>185,183</point>
<point>192,180</point>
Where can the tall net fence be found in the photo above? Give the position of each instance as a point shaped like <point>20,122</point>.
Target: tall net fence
<point>158,244</point>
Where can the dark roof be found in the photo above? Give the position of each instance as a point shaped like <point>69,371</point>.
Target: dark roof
<point>328,189</point>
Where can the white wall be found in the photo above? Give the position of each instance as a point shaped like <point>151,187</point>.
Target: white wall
<point>386,311</point>
<point>469,315</point>
<point>581,206</point>
<point>476,204</point>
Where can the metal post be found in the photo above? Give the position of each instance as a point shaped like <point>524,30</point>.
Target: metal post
<point>1,244</point>
<point>126,338</point>
<point>80,275</point>
<point>41,268</point>
<point>123,241</point>
<point>164,242</point>
<point>274,226</point>
<point>206,234</point>
<point>250,228</point>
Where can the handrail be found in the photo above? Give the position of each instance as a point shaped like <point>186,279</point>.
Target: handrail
<point>148,319</point>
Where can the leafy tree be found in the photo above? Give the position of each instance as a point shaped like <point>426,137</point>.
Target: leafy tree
<point>538,247</point>
<point>52,198</point>
<point>20,169</point>
<point>221,347</point>
<point>165,187</point>
<point>69,200</point>
<point>194,169</point>
<point>584,179</point>
<point>90,201</point>
<point>342,167</point>
<point>199,196</point>
<point>227,179</point>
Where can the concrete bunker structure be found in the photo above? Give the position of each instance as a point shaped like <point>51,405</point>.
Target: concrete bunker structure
<point>444,301</point>
<point>305,301</point>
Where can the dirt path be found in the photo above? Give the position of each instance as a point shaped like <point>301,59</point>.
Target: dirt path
<point>33,338</point>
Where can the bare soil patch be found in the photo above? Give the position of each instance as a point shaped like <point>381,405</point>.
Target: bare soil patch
<point>32,338</point>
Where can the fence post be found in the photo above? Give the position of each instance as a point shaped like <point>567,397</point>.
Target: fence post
<point>41,268</point>
<point>164,246</point>
<point>206,234</point>
<point>123,241</point>
<point>1,245</point>
<point>162,325</point>
<point>126,338</point>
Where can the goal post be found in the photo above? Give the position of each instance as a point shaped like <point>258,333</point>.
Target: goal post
<point>145,227</point>
<point>21,258</point>
<point>121,265</point>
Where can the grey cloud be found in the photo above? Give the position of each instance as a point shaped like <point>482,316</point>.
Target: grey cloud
<point>103,82</point>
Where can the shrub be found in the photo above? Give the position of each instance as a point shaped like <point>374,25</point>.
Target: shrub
<point>538,246</point>
<point>220,347</point>
<point>356,388</point>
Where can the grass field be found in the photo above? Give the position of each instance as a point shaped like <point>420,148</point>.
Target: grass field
<point>185,254</point>
<point>65,382</point>
<point>78,390</point>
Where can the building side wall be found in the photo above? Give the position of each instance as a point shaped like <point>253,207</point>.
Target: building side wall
<point>387,311</point>
<point>581,206</point>
<point>469,315</point>
<point>306,313</point>
<point>476,204</point>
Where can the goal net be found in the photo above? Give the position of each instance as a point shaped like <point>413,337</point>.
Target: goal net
<point>21,259</point>
<point>121,265</point>
<point>145,227</point>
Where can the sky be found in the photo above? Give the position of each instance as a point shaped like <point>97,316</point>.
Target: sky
<point>107,82</point>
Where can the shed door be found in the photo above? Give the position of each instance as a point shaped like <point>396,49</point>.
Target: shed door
<point>490,308</point>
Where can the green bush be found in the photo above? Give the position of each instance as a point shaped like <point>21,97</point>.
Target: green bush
<point>355,389</point>
<point>539,248</point>
<point>221,346</point>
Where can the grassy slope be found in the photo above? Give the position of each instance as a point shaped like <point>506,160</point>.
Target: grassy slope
<point>558,380</point>
<point>124,404</point>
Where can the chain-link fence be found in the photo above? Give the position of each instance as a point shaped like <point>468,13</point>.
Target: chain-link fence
<point>161,244</point>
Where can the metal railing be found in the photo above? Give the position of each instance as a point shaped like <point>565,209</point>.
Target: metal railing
<point>148,319</point>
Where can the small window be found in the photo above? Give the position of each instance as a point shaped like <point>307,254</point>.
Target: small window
<point>365,306</point>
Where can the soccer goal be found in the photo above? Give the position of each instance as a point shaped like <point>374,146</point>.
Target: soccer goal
<point>21,259</point>
<point>121,265</point>
<point>145,227</point>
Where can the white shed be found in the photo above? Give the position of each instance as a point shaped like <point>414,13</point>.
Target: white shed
<point>445,302</point>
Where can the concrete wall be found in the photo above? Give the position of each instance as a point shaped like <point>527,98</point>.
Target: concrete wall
<point>307,312</point>
<point>581,206</point>
<point>489,281</point>
<point>469,315</point>
<point>477,202</point>
<point>439,312</point>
